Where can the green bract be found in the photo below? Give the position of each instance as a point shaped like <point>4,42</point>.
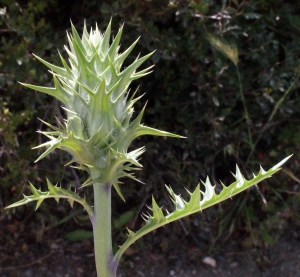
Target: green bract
<point>94,90</point>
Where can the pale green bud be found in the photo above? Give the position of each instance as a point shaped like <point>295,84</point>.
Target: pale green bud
<point>94,90</point>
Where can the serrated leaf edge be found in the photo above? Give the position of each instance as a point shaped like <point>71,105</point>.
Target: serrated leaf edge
<point>184,208</point>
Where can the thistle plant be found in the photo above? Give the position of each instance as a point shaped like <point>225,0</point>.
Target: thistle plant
<point>93,88</point>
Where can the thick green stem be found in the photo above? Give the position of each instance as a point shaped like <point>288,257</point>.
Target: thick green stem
<point>102,229</point>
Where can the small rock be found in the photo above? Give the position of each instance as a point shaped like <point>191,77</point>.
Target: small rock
<point>54,246</point>
<point>234,265</point>
<point>210,261</point>
<point>28,272</point>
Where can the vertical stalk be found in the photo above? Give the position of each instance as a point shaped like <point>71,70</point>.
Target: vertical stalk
<point>102,228</point>
<point>275,109</point>
<point>248,122</point>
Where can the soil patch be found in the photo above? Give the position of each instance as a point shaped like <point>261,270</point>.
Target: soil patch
<point>59,258</point>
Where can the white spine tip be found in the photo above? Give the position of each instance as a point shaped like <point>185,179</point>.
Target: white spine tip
<point>281,163</point>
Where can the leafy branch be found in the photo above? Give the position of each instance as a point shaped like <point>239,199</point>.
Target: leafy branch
<point>53,192</point>
<point>183,208</point>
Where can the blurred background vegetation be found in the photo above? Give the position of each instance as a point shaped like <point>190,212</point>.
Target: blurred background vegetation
<point>215,62</point>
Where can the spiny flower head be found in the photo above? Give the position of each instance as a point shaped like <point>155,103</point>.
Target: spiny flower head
<point>94,90</point>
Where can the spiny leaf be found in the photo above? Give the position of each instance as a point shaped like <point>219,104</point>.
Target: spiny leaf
<point>35,191</point>
<point>53,145</point>
<point>158,215</point>
<point>90,182</point>
<point>76,37</point>
<point>209,191</point>
<point>123,56</point>
<point>145,130</point>
<point>118,190</point>
<point>39,202</point>
<point>61,96</point>
<point>126,74</point>
<point>184,208</point>
<point>239,177</point>
<point>54,192</point>
<point>52,126</point>
<point>59,70</point>
<point>106,38</point>
<point>194,199</point>
<point>130,233</point>
<point>115,44</point>
<point>71,201</point>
